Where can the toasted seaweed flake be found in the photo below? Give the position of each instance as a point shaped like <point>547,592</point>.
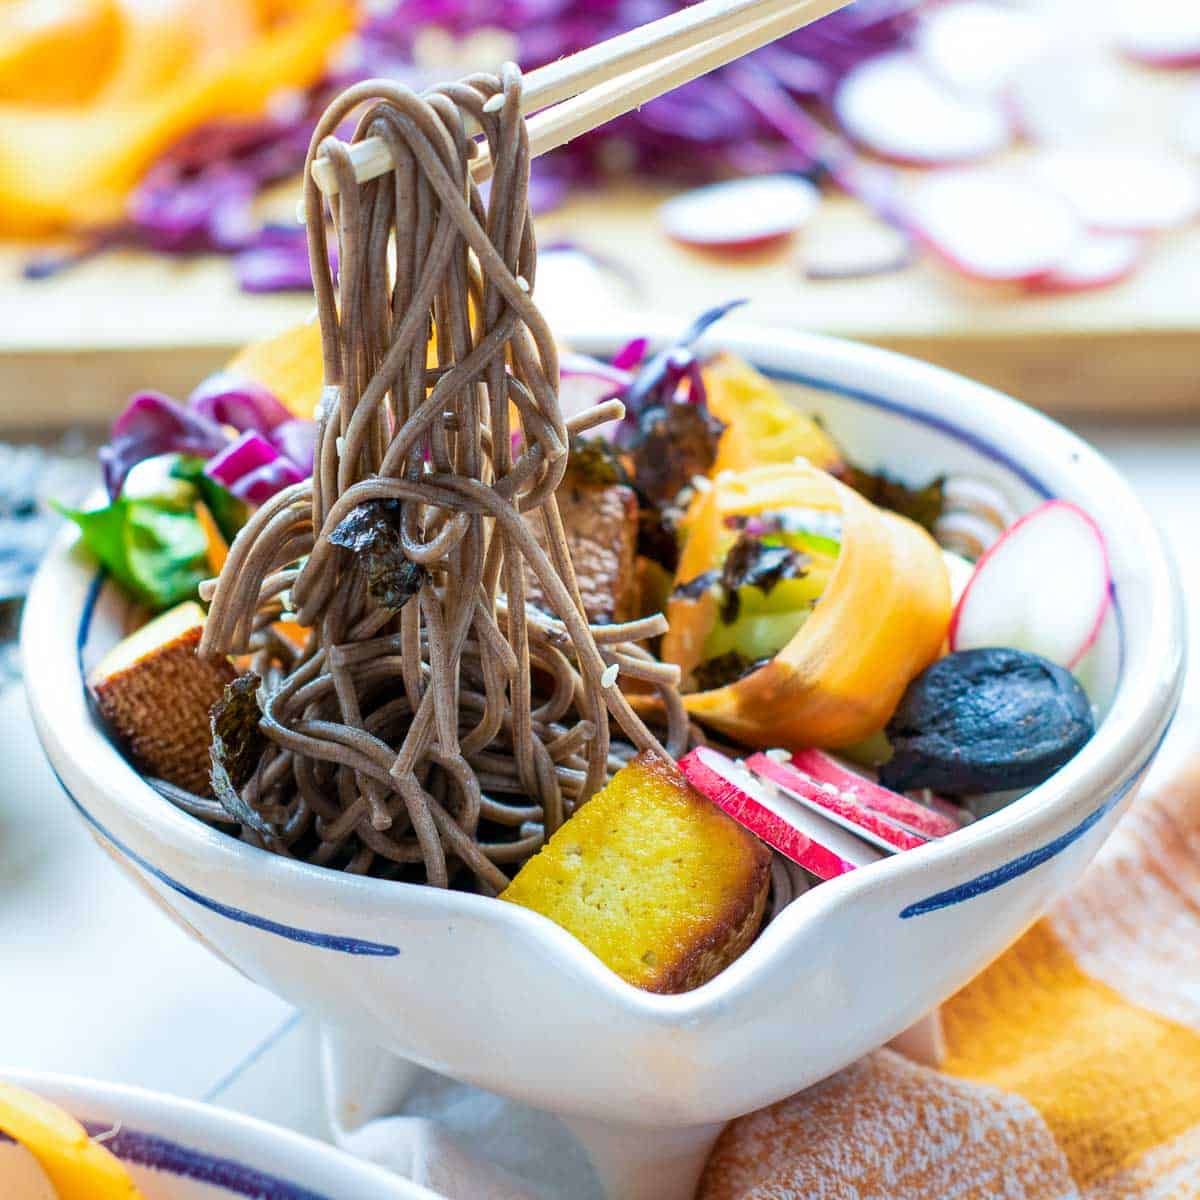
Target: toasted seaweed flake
<point>725,669</point>
<point>237,746</point>
<point>755,563</point>
<point>986,720</point>
<point>923,505</point>
<point>595,461</point>
<point>694,588</point>
<point>372,531</point>
<point>676,442</point>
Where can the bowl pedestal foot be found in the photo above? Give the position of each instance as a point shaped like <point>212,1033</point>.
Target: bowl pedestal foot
<point>642,1162</point>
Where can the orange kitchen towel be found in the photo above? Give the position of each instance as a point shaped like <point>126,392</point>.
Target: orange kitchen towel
<point>1072,1066</point>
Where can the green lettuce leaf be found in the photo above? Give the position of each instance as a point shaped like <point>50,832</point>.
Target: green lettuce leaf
<point>152,547</point>
<point>227,510</point>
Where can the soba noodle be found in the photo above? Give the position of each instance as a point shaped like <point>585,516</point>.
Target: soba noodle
<point>463,728</point>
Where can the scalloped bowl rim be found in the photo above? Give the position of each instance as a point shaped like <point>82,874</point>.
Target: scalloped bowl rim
<point>1145,699</point>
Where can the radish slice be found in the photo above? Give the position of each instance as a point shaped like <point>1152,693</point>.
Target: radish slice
<point>994,225</point>
<point>742,215</point>
<point>976,47</point>
<point>584,381</point>
<point>893,106</point>
<point>1098,260</point>
<point>827,801</point>
<point>1044,587</point>
<point>1067,97</point>
<point>809,840</point>
<point>824,769</point>
<point>1163,33</point>
<point>1123,191</point>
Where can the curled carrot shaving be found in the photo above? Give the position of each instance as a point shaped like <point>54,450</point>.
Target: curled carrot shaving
<point>880,621</point>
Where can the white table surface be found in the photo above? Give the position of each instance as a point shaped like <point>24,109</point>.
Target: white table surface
<point>95,981</point>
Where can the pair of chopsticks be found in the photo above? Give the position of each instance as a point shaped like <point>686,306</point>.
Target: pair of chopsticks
<point>584,90</point>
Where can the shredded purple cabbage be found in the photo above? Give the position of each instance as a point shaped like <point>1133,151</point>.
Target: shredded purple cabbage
<point>273,449</point>
<point>199,197</point>
<point>252,469</point>
<point>154,424</point>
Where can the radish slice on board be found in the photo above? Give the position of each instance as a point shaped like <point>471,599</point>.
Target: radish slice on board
<point>1099,259</point>
<point>975,47</point>
<point>1163,33</point>
<point>744,214</point>
<point>811,841</point>
<point>896,108</point>
<point>994,225</point>
<point>825,769</point>
<point>1067,97</point>
<point>1123,191</point>
<point>827,801</point>
<point>1044,587</point>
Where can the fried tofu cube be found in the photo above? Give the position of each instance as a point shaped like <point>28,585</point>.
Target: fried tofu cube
<point>655,880</point>
<point>155,693</point>
<point>600,521</point>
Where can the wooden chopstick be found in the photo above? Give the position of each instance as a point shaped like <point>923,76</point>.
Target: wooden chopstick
<point>584,90</point>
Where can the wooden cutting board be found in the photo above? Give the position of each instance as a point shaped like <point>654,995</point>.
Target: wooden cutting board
<point>73,347</point>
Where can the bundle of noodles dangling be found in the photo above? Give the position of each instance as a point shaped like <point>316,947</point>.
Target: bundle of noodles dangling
<point>431,721</point>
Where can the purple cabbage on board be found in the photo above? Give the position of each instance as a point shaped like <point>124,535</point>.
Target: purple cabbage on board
<point>199,197</point>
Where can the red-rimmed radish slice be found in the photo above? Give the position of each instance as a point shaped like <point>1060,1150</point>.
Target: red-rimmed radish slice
<point>1163,33</point>
<point>807,839</point>
<point>995,225</point>
<point>1044,587</point>
<point>827,801</point>
<point>824,769</point>
<point>1098,260</point>
<point>742,215</point>
<point>892,105</point>
<point>975,46</point>
<point>1123,191</point>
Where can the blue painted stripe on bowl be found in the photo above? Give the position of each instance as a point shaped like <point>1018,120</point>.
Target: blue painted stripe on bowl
<point>1018,866</point>
<point>162,1154</point>
<point>942,424</point>
<point>323,941</point>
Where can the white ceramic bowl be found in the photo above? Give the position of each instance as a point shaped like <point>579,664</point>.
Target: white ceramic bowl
<point>498,996</point>
<point>179,1150</point>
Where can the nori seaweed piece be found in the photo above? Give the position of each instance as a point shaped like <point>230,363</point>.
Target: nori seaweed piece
<point>694,588</point>
<point>237,745</point>
<point>677,442</point>
<point>923,505</point>
<point>725,669</point>
<point>754,563</point>
<point>986,720</point>
<point>372,530</point>
<point>594,460</point>
<point>658,534</point>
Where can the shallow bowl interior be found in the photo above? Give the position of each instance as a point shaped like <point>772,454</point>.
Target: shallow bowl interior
<point>499,996</point>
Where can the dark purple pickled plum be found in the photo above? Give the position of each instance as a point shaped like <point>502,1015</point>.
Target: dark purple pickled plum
<point>986,720</point>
